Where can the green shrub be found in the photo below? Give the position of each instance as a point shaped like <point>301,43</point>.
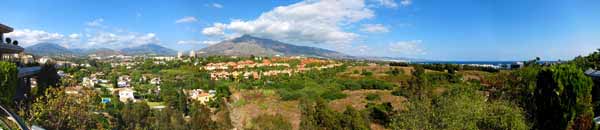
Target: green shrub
<point>350,85</point>
<point>333,95</point>
<point>374,84</point>
<point>366,73</point>
<point>380,113</point>
<point>460,107</point>
<point>372,96</point>
<point>395,72</point>
<point>8,82</point>
<point>287,94</point>
<point>502,115</point>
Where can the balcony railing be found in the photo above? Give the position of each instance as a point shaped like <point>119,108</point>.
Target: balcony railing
<point>593,73</point>
<point>29,71</point>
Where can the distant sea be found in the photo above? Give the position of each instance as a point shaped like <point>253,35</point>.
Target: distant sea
<point>475,62</point>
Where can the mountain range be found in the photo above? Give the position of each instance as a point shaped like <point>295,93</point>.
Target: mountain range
<point>247,45</point>
<point>51,49</point>
<point>149,49</point>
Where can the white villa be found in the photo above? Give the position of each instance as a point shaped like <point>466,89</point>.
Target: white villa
<point>200,95</point>
<point>126,94</point>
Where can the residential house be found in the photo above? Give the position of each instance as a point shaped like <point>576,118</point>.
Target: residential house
<point>89,82</point>
<point>124,81</point>
<point>200,95</point>
<point>155,81</point>
<point>126,94</point>
<point>192,54</point>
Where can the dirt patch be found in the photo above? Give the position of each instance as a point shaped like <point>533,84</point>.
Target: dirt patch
<point>258,102</point>
<point>249,104</point>
<point>474,75</point>
<point>375,126</point>
<point>357,99</point>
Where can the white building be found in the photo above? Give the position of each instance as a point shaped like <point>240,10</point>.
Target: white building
<point>155,81</point>
<point>126,94</point>
<point>89,82</point>
<point>201,96</point>
<point>164,58</point>
<point>192,54</point>
<point>122,84</point>
<point>44,60</point>
<point>179,54</point>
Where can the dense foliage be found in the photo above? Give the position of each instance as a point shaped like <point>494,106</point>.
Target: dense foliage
<point>590,61</point>
<point>461,107</point>
<point>270,122</point>
<point>48,77</point>
<point>318,116</point>
<point>563,98</point>
<point>8,82</point>
<point>59,110</point>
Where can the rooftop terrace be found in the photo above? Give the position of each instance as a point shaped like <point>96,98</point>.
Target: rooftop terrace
<point>9,48</point>
<point>5,29</point>
<point>29,71</point>
<point>4,47</point>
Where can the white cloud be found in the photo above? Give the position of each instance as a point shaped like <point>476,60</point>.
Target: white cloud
<point>74,36</point>
<point>374,28</point>
<point>393,4</point>
<point>406,2</point>
<point>407,47</point>
<point>28,37</point>
<point>187,19</point>
<point>217,5</point>
<point>114,37</point>
<point>102,39</point>
<point>216,30</point>
<point>210,42</point>
<point>363,49</point>
<point>95,23</point>
<point>194,42</point>
<point>104,36</point>
<point>388,3</point>
<point>120,40</point>
<point>189,42</point>
<point>305,22</point>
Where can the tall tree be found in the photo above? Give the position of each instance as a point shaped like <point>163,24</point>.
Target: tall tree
<point>563,98</point>
<point>134,115</point>
<point>308,120</point>
<point>200,118</point>
<point>354,120</point>
<point>58,110</point>
<point>48,77</point>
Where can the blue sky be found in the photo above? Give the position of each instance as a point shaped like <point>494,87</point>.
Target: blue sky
<point>429,29</point>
